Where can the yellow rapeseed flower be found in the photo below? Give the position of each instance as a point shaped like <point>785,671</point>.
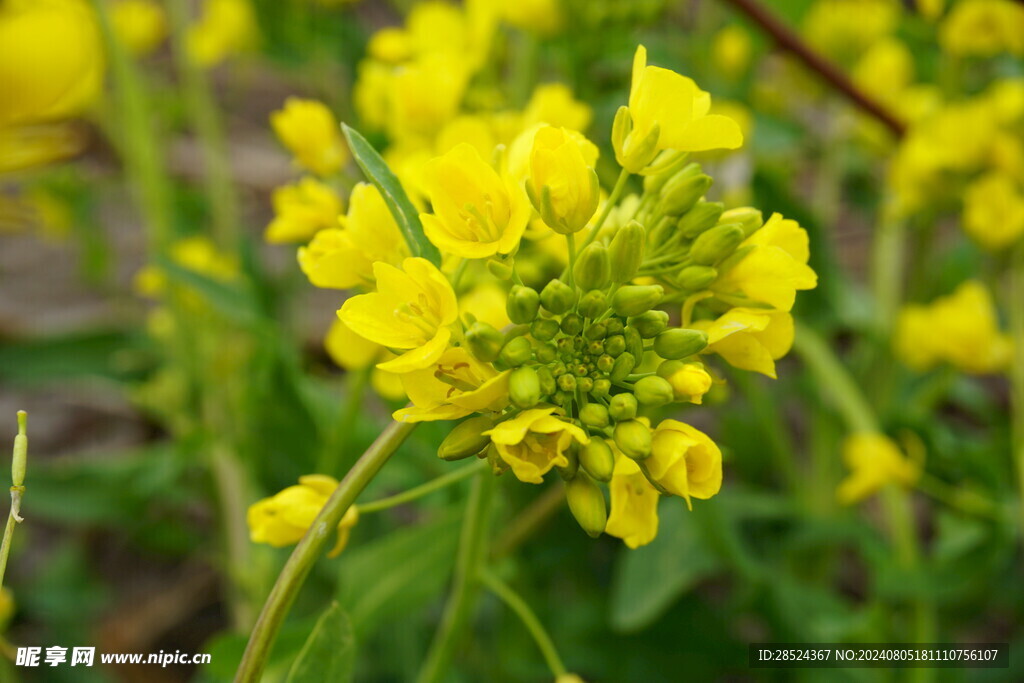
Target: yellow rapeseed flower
<point>140,25</point>
<point>284,518</point>
<point>456,385</point>
<point>562,184</point>
<point>874,461</point>
<point>553,104</point>
<point>983,28</point>
<point>994,210</point>
<point>634,505</point>
<point>544,17</point>
<point>225,28</point>
<point>301,210</point>
<point>844,29</point>
<point>311,133</point>
<point>477,212</point>
<point>750,338</point>
<point>535,441</point>
<point>684,461</point>
<point>411,310</point>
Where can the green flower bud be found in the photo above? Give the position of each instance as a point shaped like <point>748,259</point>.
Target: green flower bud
<point>501,269</point>
<point>586,502</point>
<point>557,297</point>
<point>597,459</point>
<point>605,363</point>
<point>497,463</point>
<point>615,345</point>
<point>649,324</point>
<point>695,278</point>
<point>664,231</point>
<point>614,326</point>
<point>636,299</point>
<point>484,341</point>
<point>594,415</point>
<point>674,164</point>
<point>624,365</point>
<point>593,304</point>
<point>748,218</point>
<point>516,352</point>
<point>653,391</point>
<point>622,407</point>
<point>567,472</point>
<point>572,324</point>
<point>633,154</point>
<point>633,438</point>
<point>544,329</point>
<point>466,439</point>
<point>545,353</point>
<point>547,380</point>
<point>595,331</point>
<point>580,370</point>
<point>668,367</point>
<point>567,382</point>
<point>592,267</point>
<point>522,304</point>
<point>634,343</point>
<point>595,348</point>
<point>698,219</point>
<point>715,244</point>
<point>683,195</point>
<point>601,387</point>
<point>626,251</point>
<point>524,387</point>
<point>585,384</point>
<point>680,342</point>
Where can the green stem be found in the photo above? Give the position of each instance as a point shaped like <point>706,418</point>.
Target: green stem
<point>886,269</point>
<point>613,199</point>
<point>472,550</point>
<point>424,489</point>
<point>311,547</point>
<point>529,619</point>
<point>1015,306</point>
<point>570,240</point>
<point>18,462</point>
<point>232,498</point>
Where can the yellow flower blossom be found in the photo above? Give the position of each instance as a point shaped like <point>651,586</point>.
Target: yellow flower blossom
<point>750,338</point>
<point>961,329</point>
<point>477,212</point>
<point>562,184</point>
<point>684,461</point>
<point>983,28</point>
<point>301,210</point>
<point>874,461</point>
<point>226,28</point>
<point>390,44</point>
<point>456,385</point>
<point>535,441</point>
<point>634,505</point>
<point>669,111</point>
<point>770,266</point>
<point>411,311</point>
<point>311,133</point>
<point>994,211</point>
<point>140,25</point>
<point>284,518</point>
<point>341,258</point>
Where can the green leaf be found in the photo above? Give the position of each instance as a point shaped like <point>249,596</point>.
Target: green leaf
<point>117,354</point>
<point>649,579</point>
<point>329,652</point>
<point>406,215</point>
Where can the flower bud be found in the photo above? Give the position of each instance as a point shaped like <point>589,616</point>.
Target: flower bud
<point>484,341</point>
<point>562,186</point>
<point>572,324</point>
<point>622,407</point>
<point>592,267</point>
<point>466,439</point>
<point>633,153</point>
<point>626,251</point>
<point>624,365</point>
<point>557,297</point>
<point>748,218</point>
<point>547,380</point>
<point>689,382</point>
<point>649,324</point>
<point>682,197</point>
<point>593,303</point>
<point>597,459</point>
<point>586,502</point>
<point>715,244</point>
<point>695,278</point>
<point>545,353</point>
<point>568,472</point>
<point>698,219</point>
<point>595,331</point>
<point>653,391</point>
<point>522,304</point>
<point>585,384</point>
<point>19,459</point>
<point>614,345</point>
<point>671,163</point>
<point>634,343</point>
<point>544,329</point>
<point>633,438</point>
<point>516,352</point>
<point>636,299</point>
<point>680,342</point>
<point>497,463</point>
<point>501,269</point>
<point>524,387</point>
<point>601,387</point>
<point>614,326</point>
<point>566,382</point>
<point>594,415</point>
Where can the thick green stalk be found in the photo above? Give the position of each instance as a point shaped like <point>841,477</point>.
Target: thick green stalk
<point>1015,303</point>
<point>311,547</point>
<point>472,550</point>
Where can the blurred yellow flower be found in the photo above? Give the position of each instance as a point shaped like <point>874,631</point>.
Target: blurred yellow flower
<point>874,461</point>
<point>198,254</point>
<point>411,310</point>
<point>544,17</point>
<point>301,210</point>
<point>730,50</point>
<point>885,71</point>
<point>668,111</point>
<point>140,25</point>
<point>225,28</point>
<point>994,210</point>
<point>562,184</point>
<point>844,29</point>
<point>961,329</point>
<point>424,94</point>
<point>341,258</point>
<point>485,302</point>
<point>983,28</point>
<point>284,518</point>
<point>684,461</point>
<point>311,133</point>
<point>553,104</point>
<point>353,353</point>
<point>456,385</point>
<point>535,441</point>
<point>477,213</point>
<point>750,338</point>
<point>634,505</point>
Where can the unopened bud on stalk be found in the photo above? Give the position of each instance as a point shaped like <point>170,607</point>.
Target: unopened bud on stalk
<point>522,304</point>
<point>695,278</point>
<point>544,329</point>
<point>698,219</point>
<point>633,154</point>
<point>594,415</point>
<point>670,164</point>
<point>547,380</point>
<point>586,502</point>
<point>634,343</point>
<point>466,439</point>
<point>680,342</point>
<point>593,303</point>
<point>614,345</point>
<point>568,472</point>
<point>633,438</point>
<point>626,251</point>
<point>653,391</point>
<point>516,352</point>
<point>649,324</point>
<point>690,381</point>
<point>557,297</point>
<point>601,387</point>
<point>748,218</point>
<point>524,387</point>
<point>484,341</point>
<point>622,407</point>
<point>715,244</point>
<point>624,365</point>
<point>592,267</point>
<point>597,459</point>
<point>683,195</point>
<point>636,299</point>
<point>572,324</point>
